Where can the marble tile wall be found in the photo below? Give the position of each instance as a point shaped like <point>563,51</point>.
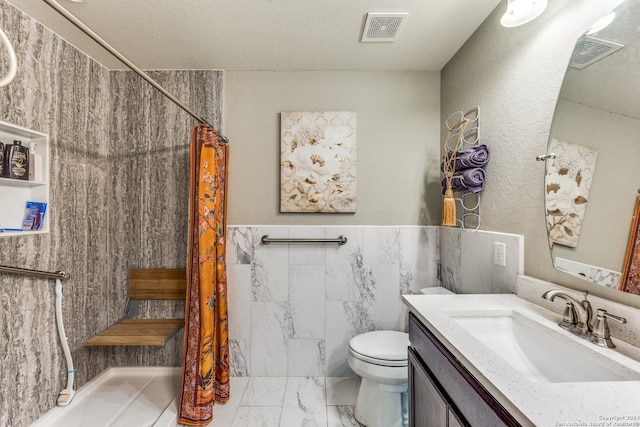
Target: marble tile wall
<point>467,266</point>
<point>294,307</point>
<point>118,178</point>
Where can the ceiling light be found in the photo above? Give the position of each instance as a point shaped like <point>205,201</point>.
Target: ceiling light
<point>602,23</point>
<point>522,11</point>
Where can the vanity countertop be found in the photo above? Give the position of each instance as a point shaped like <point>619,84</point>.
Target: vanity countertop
<point>541,404</point>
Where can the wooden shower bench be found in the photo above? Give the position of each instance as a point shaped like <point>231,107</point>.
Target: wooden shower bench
<point>147,284</point>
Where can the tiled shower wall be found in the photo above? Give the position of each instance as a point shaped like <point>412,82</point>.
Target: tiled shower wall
<point>294,307</point>
<point>119,172</point>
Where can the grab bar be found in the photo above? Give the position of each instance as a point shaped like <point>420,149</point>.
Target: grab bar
<point>340,240</point>
<point>36,273</point>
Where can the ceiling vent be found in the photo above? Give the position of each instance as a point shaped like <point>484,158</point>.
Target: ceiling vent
<point>591,49</point>
<point>383,26</point>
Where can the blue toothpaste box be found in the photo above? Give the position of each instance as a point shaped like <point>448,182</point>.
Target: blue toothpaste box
<point>34,216</point>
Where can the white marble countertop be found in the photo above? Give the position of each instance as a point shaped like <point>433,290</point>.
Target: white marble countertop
<point>533,403</point>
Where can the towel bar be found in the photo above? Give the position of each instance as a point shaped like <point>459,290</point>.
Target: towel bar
<point>340,240</point>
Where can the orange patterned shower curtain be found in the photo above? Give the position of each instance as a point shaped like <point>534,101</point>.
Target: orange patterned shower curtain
<point>205,366</point>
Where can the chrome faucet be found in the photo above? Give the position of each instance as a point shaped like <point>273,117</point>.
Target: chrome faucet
<point>577,314</point>
<point>577,319</point>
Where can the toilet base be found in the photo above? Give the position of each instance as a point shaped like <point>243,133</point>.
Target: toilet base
<point>379,405</point>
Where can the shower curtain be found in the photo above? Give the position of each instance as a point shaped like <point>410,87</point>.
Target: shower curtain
<point>205,366</point>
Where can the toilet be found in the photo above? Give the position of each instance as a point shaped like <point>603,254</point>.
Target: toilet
<point>380,358</point>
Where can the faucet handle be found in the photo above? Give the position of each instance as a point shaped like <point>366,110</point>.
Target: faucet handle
<point>600,334</point>
<point>568,317</point>
<point>611,316</point>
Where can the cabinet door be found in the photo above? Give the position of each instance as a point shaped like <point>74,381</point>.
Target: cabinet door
<point>427,407</point>
<point>454,420</point>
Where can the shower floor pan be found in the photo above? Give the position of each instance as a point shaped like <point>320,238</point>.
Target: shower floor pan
<point>132,396</point>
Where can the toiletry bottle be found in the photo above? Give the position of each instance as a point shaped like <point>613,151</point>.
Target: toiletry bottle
<point>2,168</point>
<point>5,160</point>
<point>7,153</point>
<point>35,164</point>
<point>18,161</point>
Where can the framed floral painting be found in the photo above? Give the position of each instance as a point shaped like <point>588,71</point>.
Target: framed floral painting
<point>318,162</point>
<point>567,185</point>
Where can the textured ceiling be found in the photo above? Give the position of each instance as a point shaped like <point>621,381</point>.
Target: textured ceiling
<point>266,34</point>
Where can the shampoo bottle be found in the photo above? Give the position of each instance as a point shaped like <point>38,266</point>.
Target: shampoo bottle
<point>35,164</point>
<point>2,168</point>
<point>18,161</point>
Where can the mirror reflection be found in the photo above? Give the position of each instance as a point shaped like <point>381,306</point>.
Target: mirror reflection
<point>591,186</point>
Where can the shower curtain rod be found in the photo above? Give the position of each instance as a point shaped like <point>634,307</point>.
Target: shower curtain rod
<point>95,37</point>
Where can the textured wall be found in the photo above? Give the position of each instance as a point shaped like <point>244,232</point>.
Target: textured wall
<point>398,142</point>
<point>62,92</point>
<point>119,184</point>
<point>149,168</point>
<point>515,75</point>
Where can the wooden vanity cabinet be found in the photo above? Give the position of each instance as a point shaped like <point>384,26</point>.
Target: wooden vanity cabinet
<point>442,392</point>
<point>427,405</point>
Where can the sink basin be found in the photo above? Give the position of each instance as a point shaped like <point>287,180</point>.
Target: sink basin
<point>541,354</point>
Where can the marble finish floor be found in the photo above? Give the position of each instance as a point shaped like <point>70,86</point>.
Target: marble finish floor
<point>289,402</point>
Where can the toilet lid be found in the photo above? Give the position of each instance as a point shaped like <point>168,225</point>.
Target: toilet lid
<point>381,347</point>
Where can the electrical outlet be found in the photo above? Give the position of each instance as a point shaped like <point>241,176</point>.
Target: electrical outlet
<point>500,254</point>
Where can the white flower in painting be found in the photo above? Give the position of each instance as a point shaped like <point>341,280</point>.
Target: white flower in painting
<point>561,191</point>
<point>314,164</point>
<point>337,137</point>
<point>308,135</point>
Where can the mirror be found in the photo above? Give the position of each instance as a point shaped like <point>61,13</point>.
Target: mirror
<point>592,184</point>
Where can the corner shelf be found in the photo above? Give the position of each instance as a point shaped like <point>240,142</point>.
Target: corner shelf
<point>15,193</point>
<point>149,284</point>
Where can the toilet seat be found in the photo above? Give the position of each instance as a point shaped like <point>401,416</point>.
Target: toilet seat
<point>383,348</point>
